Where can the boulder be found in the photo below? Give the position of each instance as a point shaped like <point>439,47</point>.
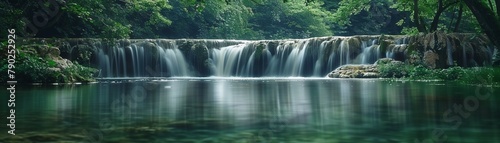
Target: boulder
<point>355,71</point>
<point>430,59</point>
<point>383,61</point>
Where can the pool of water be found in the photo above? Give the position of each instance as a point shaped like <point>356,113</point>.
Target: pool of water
<point>248,110</point>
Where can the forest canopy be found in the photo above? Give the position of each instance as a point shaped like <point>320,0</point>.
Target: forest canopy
<point>244,19</point>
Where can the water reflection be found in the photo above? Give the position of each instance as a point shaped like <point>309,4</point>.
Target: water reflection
<point>250,110</point>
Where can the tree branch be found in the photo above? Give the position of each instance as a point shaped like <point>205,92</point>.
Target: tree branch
<point>450,4</point>
<point>490,24</point>
<point>491,4</point>
<point>440,10</point>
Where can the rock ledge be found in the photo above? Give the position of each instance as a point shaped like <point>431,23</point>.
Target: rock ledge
<point>355,71</point>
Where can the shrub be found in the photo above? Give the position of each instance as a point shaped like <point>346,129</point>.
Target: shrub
<point>452,73</point>
<point>480,75</point>
<point>420,72</point>
<point>393,70</point>
<point>475,75</point>
<point>30,68</point>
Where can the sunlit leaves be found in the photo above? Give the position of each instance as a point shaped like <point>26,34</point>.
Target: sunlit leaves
<point>347,9</point>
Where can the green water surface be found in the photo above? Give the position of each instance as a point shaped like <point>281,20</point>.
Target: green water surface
<point>247,110</point>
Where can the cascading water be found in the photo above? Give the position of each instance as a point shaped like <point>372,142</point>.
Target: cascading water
<point>142,59</point>
<point>300,57</point>
<point>449,51</point>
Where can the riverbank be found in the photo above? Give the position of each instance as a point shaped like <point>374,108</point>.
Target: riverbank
<point>42,64</point>
<point>396,70</point>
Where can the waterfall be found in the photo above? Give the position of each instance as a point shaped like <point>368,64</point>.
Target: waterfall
<point>370,52</point>
<point>225,58</point>
<point>142,60</point>
<point>449,51</point>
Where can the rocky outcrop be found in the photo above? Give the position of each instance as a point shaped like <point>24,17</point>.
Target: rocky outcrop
<point>355,71</point>
<point>51,54</point>
<point>42,63</point>
<point>363,70</point>
<point>441,50</point>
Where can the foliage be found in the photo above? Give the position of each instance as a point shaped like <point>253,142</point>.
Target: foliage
<point>226,21</point>
<point>349,8</point>
<point>89,18</point>
<point>475,75</point>
<point>109,19</point>
<point>480,75</point>
<point>421,72</point>
<point>10,18</point>
<point>241,19</point>
<point>294,19</point>
<point>31,68</point>
<point>409,31</point>
<point>393,70</point>
<point>445,15</point>
<point>414,69</point>
<point>79,73</point>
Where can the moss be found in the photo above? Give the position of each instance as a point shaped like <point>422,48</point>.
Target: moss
<point>273,45</point>
<point>185,47</point>
<point>260,59</point>
<point>83,54</point>
<point>383,47</point>
<point>259,50</point>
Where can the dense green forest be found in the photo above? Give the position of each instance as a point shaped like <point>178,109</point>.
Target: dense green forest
<point>243,19</point>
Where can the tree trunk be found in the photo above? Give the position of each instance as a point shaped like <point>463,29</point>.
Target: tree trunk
<point>435,21</point>
<point>416,17</point>
<point>497,2</point>
<point>487,19</point>
<point>460,13</point>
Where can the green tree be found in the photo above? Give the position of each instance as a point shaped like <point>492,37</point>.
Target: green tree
<point>427,16</point>
<point>366,17</point>
<point>292,19</point>
<point>254,19</point>
<point>488,17</point>
<point>88,18</point>
<point>226,20</point>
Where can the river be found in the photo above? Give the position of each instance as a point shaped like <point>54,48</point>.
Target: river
<point>211,109</point>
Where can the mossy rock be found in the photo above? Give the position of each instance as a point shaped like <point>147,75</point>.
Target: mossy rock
<point>383,47</point>
<point>185,47</point>
<point>85,55</point>
<point>383,61</point>
<point>259,49</point>
<point>201,60</point>
<point>336,44</point>
<point>272,47</point>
